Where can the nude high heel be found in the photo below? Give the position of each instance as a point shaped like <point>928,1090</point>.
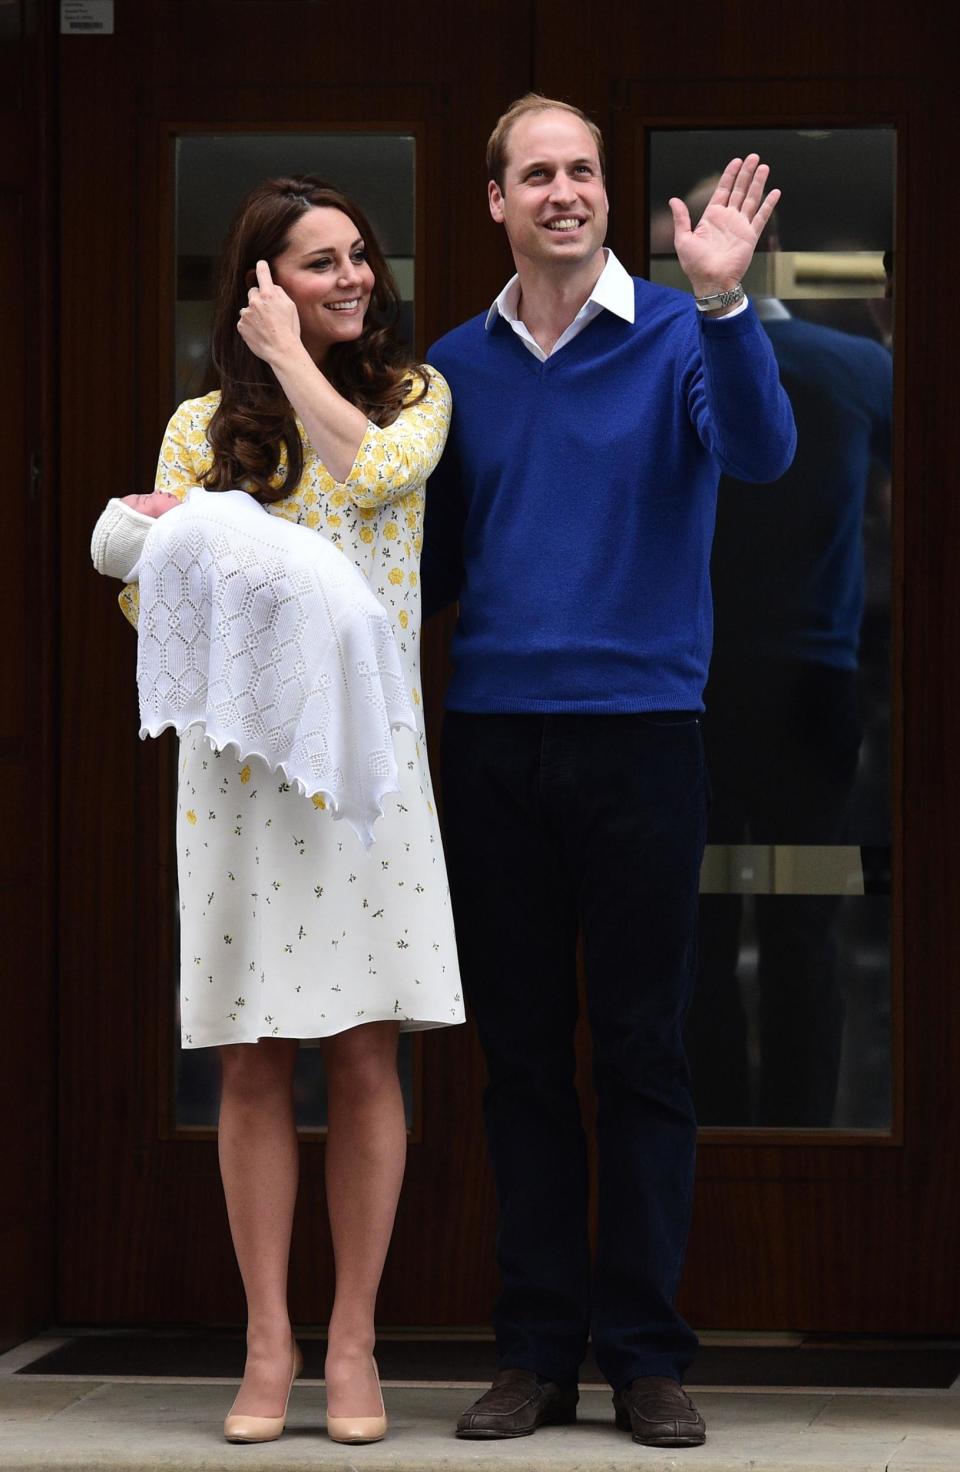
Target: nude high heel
<point>263,1428</point>
<point>359,1428</point>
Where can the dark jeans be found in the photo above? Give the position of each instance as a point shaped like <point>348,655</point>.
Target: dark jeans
<point>554,825</point>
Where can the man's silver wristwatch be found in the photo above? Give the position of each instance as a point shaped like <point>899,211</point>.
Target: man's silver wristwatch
<point>731,298</point>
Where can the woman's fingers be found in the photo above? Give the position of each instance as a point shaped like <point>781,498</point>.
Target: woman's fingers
<point>264,281</point>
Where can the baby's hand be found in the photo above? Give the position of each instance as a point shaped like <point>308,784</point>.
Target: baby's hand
<point>152,503</point>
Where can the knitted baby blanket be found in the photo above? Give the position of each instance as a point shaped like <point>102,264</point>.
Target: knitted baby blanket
<point>267,636</point>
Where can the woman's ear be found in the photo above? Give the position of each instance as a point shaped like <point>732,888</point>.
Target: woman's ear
<point>250,279</point>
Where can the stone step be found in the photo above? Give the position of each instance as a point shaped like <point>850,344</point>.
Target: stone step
<point>147,1425</point>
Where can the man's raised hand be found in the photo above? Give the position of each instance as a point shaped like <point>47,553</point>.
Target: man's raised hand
<point>715,255</point>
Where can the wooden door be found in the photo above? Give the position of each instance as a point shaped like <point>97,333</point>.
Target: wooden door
<point>841,1230</point>
<point>806,1231</point>
<point>143,1226</point>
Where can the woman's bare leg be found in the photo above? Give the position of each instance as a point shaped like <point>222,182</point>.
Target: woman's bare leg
<point>259,1168</point>
<point>366,1152</point>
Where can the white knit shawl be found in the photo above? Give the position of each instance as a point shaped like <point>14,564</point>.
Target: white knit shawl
<point>268,637</point>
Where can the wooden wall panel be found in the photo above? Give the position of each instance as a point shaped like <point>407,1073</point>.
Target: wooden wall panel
<point>28,767</point>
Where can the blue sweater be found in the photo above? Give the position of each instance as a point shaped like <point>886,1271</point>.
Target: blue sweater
<point>573,510</point>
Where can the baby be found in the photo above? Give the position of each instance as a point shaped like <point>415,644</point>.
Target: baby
<point>121,531</point>
<point>264,635</point>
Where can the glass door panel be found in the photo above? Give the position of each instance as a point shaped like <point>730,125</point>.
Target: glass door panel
<point>791,1023</point>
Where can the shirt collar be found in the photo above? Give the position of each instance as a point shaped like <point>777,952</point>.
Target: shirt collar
<point>614,291</point>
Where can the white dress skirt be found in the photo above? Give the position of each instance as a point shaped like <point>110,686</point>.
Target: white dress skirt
<point>289,926</point>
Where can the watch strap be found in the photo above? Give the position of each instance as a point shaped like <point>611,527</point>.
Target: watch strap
<point>718,299</point>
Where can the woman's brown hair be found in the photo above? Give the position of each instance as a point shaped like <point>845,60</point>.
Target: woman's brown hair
<point>253,421</point>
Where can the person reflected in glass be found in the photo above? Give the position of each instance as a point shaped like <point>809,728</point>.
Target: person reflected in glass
<point>289,928</point>
<point>783,727</point>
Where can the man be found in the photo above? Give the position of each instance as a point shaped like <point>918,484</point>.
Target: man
<point>571,516</point>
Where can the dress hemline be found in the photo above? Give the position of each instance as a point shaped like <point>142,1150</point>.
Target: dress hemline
<point>406,1025</point>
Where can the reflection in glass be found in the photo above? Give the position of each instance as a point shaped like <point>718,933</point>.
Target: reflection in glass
<point>213,173</point>
<point>790,1023</point>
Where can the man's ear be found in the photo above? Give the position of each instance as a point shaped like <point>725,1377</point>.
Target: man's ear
<point>495,200</point>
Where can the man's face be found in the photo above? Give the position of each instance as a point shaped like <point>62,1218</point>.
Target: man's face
<point>553,204</point>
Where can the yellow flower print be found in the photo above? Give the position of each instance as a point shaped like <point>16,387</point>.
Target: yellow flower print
<point>418,545</point>
<point>416,695</point>
<point>312,518</point>
<point>309,498</point>
<point>411,519</point>
<point>129,600</point>
<point>338,499</point>
<point>404,618</point>
<point>395,576</point>
<point>367,513</point>
<point>333,520</point>
<point>413,580</point>
<point>406,549</point>
<point>366,535</point>
<point>245,774</point>
<point>319,801</point>
<point>190,816</point>
<point>391,531</point>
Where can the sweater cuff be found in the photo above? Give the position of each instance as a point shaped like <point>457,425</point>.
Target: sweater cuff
<point>733,326</point>
<point>118,539</point>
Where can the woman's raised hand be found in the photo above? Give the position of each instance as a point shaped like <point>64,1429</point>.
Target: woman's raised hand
<point>268,324</point>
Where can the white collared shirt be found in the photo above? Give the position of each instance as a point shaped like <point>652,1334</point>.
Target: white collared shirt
<point>613,292</point>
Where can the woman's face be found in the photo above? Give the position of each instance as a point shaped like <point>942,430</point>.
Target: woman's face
<point>325,273</point>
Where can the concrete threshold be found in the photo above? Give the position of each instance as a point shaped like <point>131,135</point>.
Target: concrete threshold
<point>59,1424</point>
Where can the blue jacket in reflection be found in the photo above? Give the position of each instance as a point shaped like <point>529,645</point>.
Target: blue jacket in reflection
<point>788,564</point>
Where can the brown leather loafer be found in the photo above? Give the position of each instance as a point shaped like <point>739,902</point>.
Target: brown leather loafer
<point>515,1405</point>
<point>659,1413</point>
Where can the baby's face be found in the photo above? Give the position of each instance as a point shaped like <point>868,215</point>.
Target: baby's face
<point>152,503</point>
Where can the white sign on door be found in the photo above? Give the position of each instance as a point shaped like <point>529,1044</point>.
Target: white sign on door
<point>86,17</point>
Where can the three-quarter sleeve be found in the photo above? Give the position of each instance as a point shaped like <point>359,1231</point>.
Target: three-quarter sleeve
<point>393,461</point>
<point>185,453</point>
<point>184,458</point>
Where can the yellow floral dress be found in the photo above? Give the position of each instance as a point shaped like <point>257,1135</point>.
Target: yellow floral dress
<point>288,927</point>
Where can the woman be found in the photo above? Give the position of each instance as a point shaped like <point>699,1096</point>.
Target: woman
<point>290,929</point>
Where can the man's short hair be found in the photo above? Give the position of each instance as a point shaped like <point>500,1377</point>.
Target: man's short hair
<point>531,103</point>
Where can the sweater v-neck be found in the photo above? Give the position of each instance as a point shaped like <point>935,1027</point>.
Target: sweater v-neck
<point>571,351</point>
